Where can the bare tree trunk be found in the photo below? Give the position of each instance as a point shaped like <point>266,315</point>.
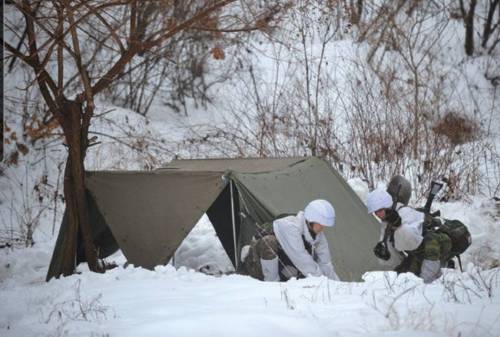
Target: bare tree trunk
<point>312,133</point>
<point>489,27</point>
<point>469,25</point>
<point>74,189</point>
<point>355,11</point>
<point>69,245</point>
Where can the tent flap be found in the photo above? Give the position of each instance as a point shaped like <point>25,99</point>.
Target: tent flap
<point>150,213</point>
<point>221,218</point>
<point>104,241</point>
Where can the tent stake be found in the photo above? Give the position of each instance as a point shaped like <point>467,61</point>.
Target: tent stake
<point>234,225</point>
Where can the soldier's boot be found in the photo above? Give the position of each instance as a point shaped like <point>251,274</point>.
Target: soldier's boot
<point>270,269</point>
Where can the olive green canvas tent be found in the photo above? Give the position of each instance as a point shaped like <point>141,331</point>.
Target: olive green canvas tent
<point>147,214</point>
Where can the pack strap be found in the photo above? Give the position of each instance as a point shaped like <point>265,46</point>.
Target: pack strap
<point>285,260</point>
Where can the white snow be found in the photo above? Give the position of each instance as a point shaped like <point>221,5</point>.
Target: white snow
<point>183,302</point>
<point>202,250</point>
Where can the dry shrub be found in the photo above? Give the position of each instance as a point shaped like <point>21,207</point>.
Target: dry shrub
<point>456,128</point>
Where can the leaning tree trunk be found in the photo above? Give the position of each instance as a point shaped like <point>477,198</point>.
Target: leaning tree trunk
<point>74,189</point>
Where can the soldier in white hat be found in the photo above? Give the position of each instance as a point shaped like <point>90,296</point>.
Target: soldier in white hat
<point>405,244</point>
<point>295,247</point>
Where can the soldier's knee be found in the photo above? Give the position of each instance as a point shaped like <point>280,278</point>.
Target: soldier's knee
<point>267,247</point>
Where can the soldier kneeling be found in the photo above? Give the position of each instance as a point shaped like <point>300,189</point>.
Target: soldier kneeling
<point>402,227</point>
<point>295,246</point>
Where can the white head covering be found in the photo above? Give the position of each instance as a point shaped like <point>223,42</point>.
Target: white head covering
<point>320,211</point>
<point>378,199</point>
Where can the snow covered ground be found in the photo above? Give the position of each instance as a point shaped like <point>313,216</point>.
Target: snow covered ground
<point>180,301</point>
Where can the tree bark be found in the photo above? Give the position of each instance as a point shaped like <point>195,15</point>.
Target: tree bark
<point>469,25</point>
<point>356,10</point>
<point>489,27</point>
<point>74,189</point>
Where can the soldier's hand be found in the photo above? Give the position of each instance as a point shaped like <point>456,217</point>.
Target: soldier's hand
<point>392,218</point>
<point>381,251</point>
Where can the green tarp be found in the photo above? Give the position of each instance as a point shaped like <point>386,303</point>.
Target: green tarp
<point>150,213</point>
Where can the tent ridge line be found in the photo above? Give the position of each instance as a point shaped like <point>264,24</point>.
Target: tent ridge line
<point>231,173</point>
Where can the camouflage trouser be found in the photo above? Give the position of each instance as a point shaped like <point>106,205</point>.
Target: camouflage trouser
<point>435,247</point>
<point>265,248</point>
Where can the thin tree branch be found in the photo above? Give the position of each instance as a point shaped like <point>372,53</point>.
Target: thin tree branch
<point>78,56</point>
<point>135,47</point>
<point>112,31</point>
<point>44,80</point>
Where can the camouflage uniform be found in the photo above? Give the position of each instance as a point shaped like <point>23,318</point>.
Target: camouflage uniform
<point>436,246</point>
<point>265,248</point>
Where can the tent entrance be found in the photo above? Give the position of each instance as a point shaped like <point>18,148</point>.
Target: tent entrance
<point>233,225</point>
<point>222,213</point>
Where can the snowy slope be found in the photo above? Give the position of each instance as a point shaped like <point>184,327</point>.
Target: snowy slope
<point>182,302</point>
<point>170,302</point>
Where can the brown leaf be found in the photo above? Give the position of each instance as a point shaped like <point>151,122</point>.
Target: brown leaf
<point>210,23</point>
<point>218,53</point>
<point>22,148</point>
<point>13,158</point>
<point>262,24</point>
<point>40,130</point>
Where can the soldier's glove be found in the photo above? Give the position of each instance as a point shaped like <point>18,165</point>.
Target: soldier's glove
<point>404,266</point>
<point>392,218</point>
<point>380,250</point>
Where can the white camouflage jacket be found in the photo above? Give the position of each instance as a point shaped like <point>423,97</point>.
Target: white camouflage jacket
<point>407,237</point>
<point>289,231</point>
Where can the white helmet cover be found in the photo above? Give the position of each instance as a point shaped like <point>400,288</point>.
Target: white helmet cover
<point>378,199</point>
<point>320,211</point>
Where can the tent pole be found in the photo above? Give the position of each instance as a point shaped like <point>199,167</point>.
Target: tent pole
<point>234,226</point>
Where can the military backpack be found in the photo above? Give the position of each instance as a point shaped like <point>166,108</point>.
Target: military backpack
<point>456,230</point>
<point>458,233</point>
